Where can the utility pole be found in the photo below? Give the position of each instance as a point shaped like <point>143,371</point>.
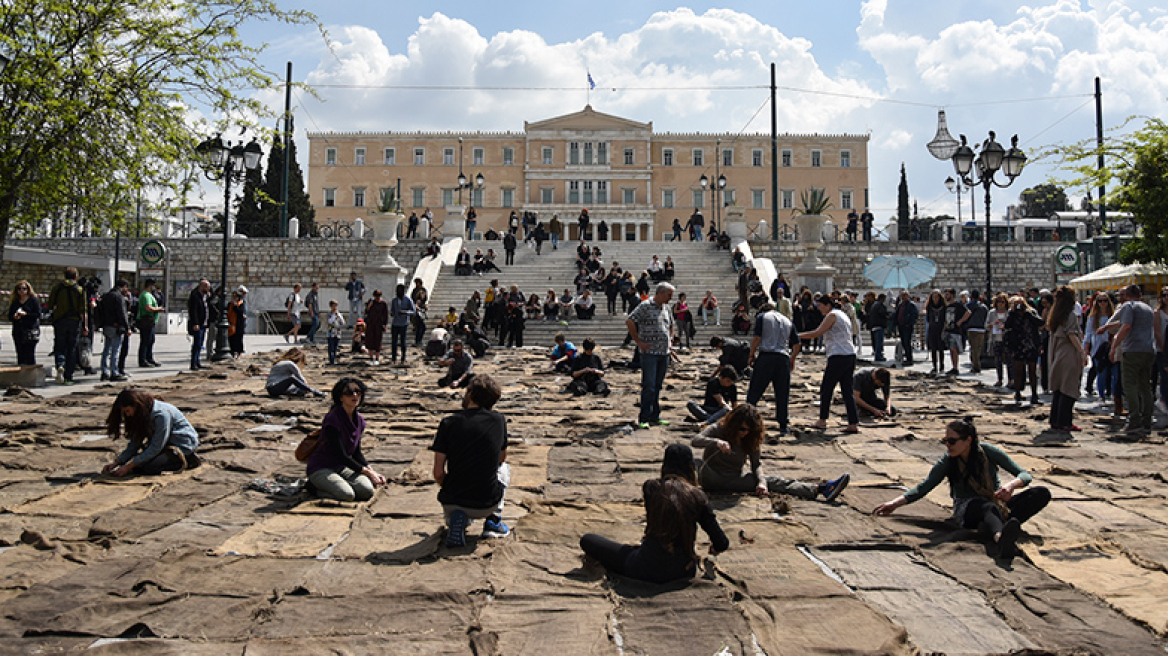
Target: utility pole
<point>774,161</point>
<point>287,152</point>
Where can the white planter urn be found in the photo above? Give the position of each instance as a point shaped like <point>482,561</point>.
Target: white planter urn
<point>384,226</point>
<point>812,272</point>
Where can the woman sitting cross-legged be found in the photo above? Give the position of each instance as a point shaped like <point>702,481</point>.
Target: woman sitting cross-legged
<point>285,376</point>
<point>980,500</point>
<point>161,438</point>
<point>674,508</point>
<point>734,440</point>
<point>337,468</point>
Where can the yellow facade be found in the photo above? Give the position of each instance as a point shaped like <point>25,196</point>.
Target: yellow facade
<point>636,181</point>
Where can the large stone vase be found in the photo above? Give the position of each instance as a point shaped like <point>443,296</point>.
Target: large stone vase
<point>816,274</point>
<point>384,225</point>
<point>386,273</point>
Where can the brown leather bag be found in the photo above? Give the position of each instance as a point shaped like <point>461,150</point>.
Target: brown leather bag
<point>308,445</point>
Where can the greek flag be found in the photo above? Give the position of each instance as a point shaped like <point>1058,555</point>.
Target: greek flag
<point>591,84</point>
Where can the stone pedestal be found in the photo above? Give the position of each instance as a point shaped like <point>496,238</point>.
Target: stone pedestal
<point>736,226</point>
<point>454,227</point>
<point>816,274</point>
<point>384,273</point>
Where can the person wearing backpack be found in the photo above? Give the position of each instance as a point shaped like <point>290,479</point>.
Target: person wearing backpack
<point>67,303</point>
<point>294,305</point>
<point>114,322</point>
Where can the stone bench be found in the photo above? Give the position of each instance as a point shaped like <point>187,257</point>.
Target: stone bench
<point>27,376</point>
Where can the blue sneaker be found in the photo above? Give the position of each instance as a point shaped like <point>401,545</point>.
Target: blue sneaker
<point>493,527</point>
<point>456,532</point>
<point>832,489</point>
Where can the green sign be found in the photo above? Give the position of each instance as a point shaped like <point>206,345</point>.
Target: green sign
<point>153,252</point>
<point>1067,257</point>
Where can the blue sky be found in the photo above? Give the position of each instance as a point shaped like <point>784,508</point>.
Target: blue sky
<point>878,66</point>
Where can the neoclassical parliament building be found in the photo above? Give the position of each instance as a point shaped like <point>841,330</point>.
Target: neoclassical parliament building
<point>636,181</point>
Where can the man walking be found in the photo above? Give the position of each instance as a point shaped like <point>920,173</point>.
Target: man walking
<point>356,292</point>
<point>198,315</point>
<point>293,305</point>
<point>772,355</point>
<point>906,324</point>
<point>877,324</point>
<point>67,303</point>
<point>148,311</point>
<point>312,304</point>
<point>956,315</point>
<point>1137,342</point>
<point>114,324</point>
<point>401,311</point>
<point>975,330</point>
<point>650,325</point>
<point>555,228</point>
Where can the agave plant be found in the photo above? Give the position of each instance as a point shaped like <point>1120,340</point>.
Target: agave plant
<point>814,201</point>
<point>389,201</point>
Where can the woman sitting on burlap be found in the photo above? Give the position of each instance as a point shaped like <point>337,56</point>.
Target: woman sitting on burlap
<point>980,500</point>
<point>337,469</point>
<point>674,508</point>
<point>161,438</point>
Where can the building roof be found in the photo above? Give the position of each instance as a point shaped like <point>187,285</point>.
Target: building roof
<point>587,119</point>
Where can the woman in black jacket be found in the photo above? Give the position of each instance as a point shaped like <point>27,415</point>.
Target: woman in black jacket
<point>25,314</point>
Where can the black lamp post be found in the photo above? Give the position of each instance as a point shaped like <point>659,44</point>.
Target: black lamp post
<point>719,187</point>
<point>226,162</point>
<point>463,183</point>
<point>992,159</point>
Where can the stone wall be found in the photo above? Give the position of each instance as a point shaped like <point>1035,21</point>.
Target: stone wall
<point>960,266</point>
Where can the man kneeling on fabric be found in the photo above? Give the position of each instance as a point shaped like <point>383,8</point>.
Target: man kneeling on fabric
<point>459,364</point>
<point>865,382</point>
<point>470,453</point>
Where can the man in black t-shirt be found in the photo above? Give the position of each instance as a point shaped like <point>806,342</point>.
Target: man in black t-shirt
<point>588,372</point>
<point>865,383</point>
<point>735,352</point>
<point>721,396</point>
<point>470,453</point>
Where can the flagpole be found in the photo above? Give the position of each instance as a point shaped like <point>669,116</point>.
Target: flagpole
<point>588,88</point>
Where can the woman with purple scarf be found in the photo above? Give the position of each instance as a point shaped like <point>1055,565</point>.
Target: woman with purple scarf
<point>337,468</point>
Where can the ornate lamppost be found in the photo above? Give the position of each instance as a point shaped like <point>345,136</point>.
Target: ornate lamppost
<point>228,163</point>
<point>719,187</point>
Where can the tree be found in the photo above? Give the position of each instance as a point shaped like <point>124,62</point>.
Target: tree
<point>248,213</point>
<point>299,205</point>
<point>95,103</point>
<point>1043,200</point>
<point>902,212</point>
<point>1136,177</point>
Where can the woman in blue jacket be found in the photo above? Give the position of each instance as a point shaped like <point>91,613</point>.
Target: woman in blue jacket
<point>161,438</point>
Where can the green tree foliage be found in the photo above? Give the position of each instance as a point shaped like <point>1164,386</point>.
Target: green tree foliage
<point>248,216</point>
<point>1136,177</point>
<point>1043,200</point>
<point>97,100</point>
<point>902,212</point>
<point>271,192</point>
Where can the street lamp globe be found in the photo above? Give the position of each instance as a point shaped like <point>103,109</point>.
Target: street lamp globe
<point>251,155</point>
<point>722,181</point>
<point>704,181</point>
<point>950,183</point>
<point>461,180</point>
<point>963,159</point>
<point>479,179</point>
<point>1014,160</point>
<point>992,154</point>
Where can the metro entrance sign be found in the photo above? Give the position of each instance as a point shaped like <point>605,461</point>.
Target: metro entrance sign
<point>1067,258</point>
<point>153,252</point>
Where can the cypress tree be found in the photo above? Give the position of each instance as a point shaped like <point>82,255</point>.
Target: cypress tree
<point>902,215</point>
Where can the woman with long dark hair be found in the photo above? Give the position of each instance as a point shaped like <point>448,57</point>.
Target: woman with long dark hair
<point>934,327</point>
<point>674,508</point>
<point>980,500</point>
<point>996,327</point>
<point>337,468</point>
<point>736,439</point>
<point>1022,341</point>
<point>1067,359</point>
<point>25,314</point>
<point>841,361</point>
<point>161,438</point>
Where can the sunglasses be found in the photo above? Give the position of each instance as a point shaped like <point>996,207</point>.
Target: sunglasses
<point>352,391</point>
<point>950,441</point>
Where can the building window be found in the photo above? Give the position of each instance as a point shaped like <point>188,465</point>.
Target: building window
<point>547,155</point>
<point>390,156</point>
<point>447,157</point>
<point>788,199</point>
<point>816,158</point>
<point>587,152</point>
<point>330,156</point>
<point>699,198</point>
<point>846,199</point>
<point>573,192</point>
<point>602,154</point>
<point>330,197</point>
<point>359,156</point>
<point>508,156</point>
<point>845,159</point>
<point>667,157</point>
<point>756,157</point>
<point>630,196</point>
<point>508,198</point>
<point>447,197</point>
<point>786,158</point>
<point>602,192</point>
<point>727,157</point>
<point>419,196</point>
<point>628,156</point>
<point>574,152</point>
<point>698,157</point>
<point>667,198</point>
<point>359,197</point>
<point>419,157</point>
<point>476,197</point>
<point>729,197</point>
<point>545,195</point>
<point>477,155</point>
<point>588,199</point>
<point>758,199</point>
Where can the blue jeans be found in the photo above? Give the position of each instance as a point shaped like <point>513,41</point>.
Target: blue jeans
<point>555,240</point>
<point>313,327</point>
<point>334,345</point>
<point>653,368</point>
<point>109,354</point>
<point>198,338</point>
<point>772,368</point>
<point>877,344</point>
<point>66,334</point>
<point>1107,379</point>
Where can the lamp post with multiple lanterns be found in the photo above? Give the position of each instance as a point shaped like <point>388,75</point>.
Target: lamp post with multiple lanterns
<point>463,183</point>
<point>228,163</point>
<point>719,186</point>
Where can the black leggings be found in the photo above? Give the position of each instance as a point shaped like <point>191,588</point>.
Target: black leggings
<point>642,561</point>
<point>1062,410</point>
<point>839,370</point>
<point>984,515</point>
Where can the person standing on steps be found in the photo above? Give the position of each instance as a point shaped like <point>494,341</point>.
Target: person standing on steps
<point>650,324</point>
<point>555,229</point>
<point>509,244</point>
